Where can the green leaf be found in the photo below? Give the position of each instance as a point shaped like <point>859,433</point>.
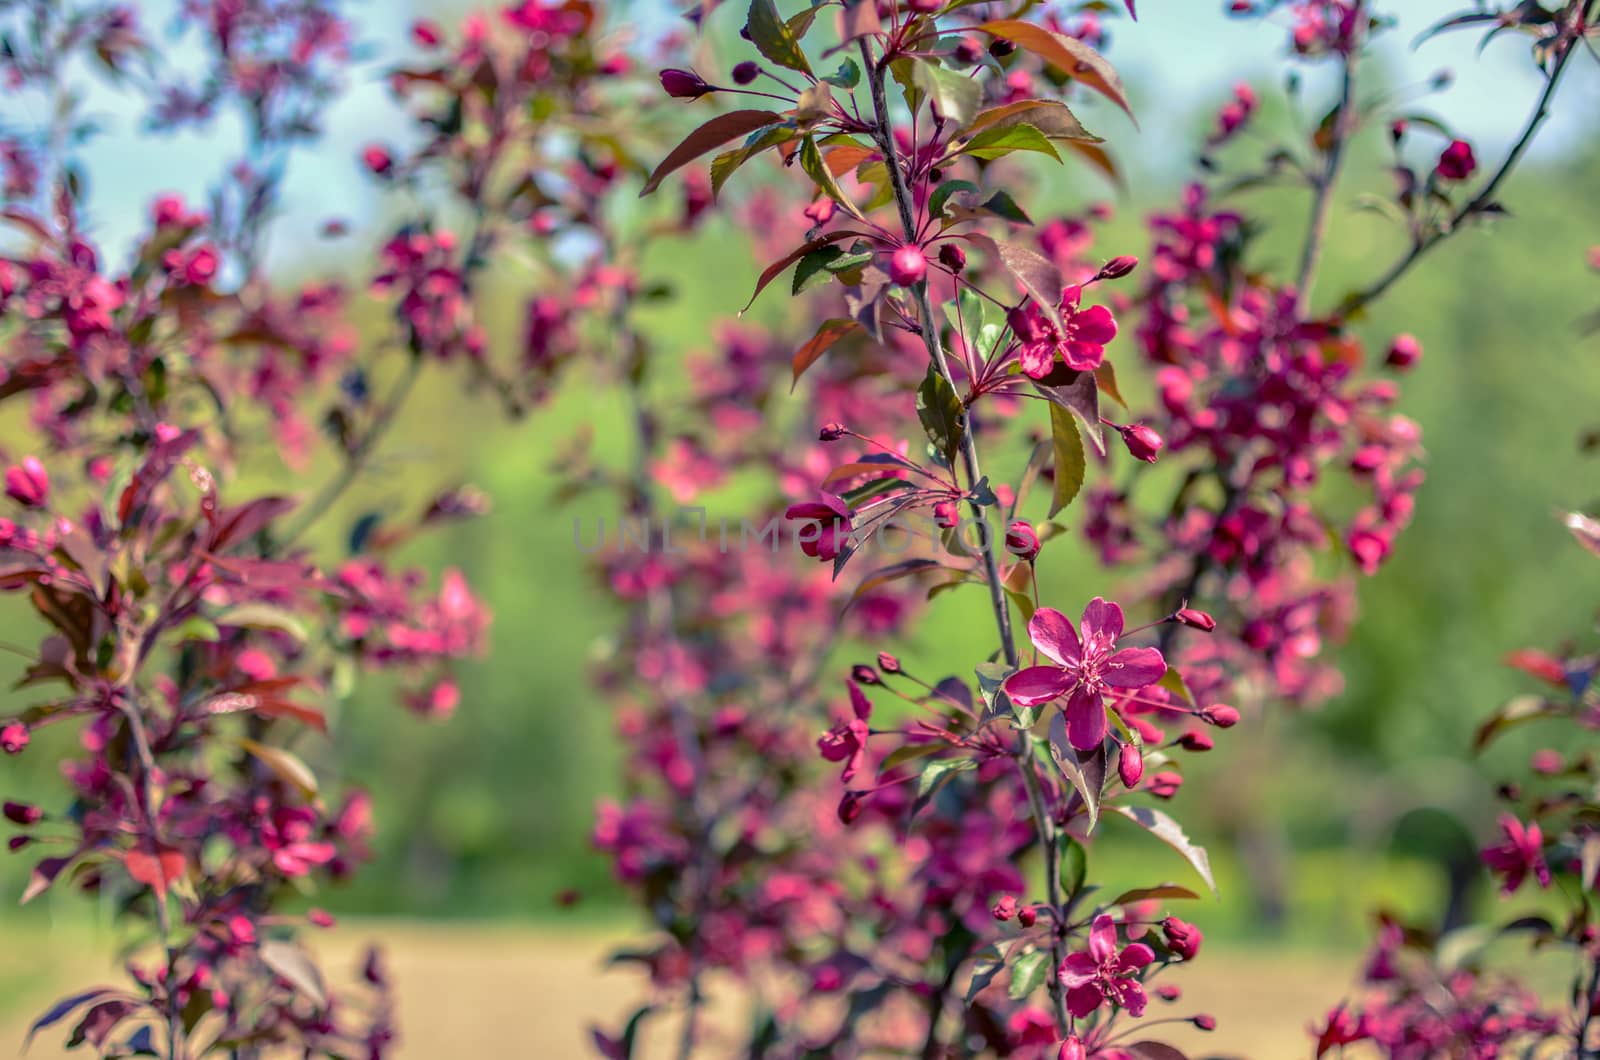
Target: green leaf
<point>983,974</point>
<point>813,268</point>
<point>725,164</point>
<point>1074,865</point>
<point>1144,894</point>
<point>942,193</point>
<point>263,616</point>
<point>941,413</point>
<point>999,141</point>
<point>1027,974</point>
<point>812,162</point>
<point>935,775</point>
<point>828,333</point>
<point>1070,461</point>
<point>286,764</point>
<point>774,38</point>
<point>954,95</point>
<point>1171,833</point>
<point>1050,117</point>
<point>1173,682</point>
<point>1088,777</point>
<point>847,76</point>
<point>1002,205</point>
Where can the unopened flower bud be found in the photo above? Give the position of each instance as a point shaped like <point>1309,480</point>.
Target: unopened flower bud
<point>684,84</point>
<point>889,664</point>
<point>377,159</point>
<point>14,737</point>
<point>1206,1022</point>
<point>1165,785</point>
<point>1027,916</point>
<point>1143,442</point>
<point>1130,765</point>
<point>850,806</point>
<point>1117,267</point>
<point>952,257</point>
<point>907,265</point>
<point>1072,1049</point>
<point>1196,741</point>
<point>746,72</point>
<point>1005,908</point>
<point>862,674</point>
<point>1022,541</point>
<point>1196,619</point>
<point>22,813</point>
<point>831,432</point>
<point>28,483</point>
<point>1456,162</point>
<point>1221,715</point>
<point>1169,992</point>
<point>1183,938</point>
<point>820,212</point>
<point>1001,48</point>
<point>1404,352</point>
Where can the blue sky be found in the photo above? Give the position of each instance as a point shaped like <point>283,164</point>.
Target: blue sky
<point>1181,55</point>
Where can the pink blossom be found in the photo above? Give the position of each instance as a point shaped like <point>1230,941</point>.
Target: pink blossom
<point>1085,668</point>
<point>28,483</point>
<point>1521,854</point>
<point>1103,973</point>
<point>1080,341</point>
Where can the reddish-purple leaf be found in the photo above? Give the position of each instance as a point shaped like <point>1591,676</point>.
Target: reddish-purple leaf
<point>708,137</point>
<point>773,271</point>
<point>1072,57</point>
<point>829,333</point>
<point>62,1009</point>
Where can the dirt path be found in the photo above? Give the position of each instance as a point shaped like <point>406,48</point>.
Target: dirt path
<point>510,992</point>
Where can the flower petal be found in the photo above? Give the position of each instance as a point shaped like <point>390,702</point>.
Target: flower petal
<point>1133,998</point>
<point>1086,719</point>
<point>1095,324</point>
<point>1052,634</point>
<point>1103,939</point>
<point>1102,619</point>
<point>1038,684</point>
<point>1083,1000</point>
<point>1076,970</point>
<point>1136,956</point>
<point>1083,356</point>
<point>1134,668</point>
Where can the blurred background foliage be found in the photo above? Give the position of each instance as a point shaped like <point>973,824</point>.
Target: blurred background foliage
<point>488,815</point>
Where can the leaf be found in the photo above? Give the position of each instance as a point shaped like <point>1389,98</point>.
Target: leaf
<point>893,572</point>
<point>263,616</point>
<point>1002,205</point>
<point>813,268</point>
<point>712,134</point>
<point>1083,778</point>
<point>942,193</point>
<point>909,753</point>
<point>62,1009</point>
<point>1036,273</point>
<point>773,271</point>
<point>1105,378</point>
<point>941,413</point>
<point>1099,158</point>
<point>954,95</point>
<point>1519,710</point>
<point>286,764</point>
<point>1027,974</point>
<point>774,38</point>
<point>1173,682</point>
<point>293,964</point>
<point>998,142</point>
<point>983,974</point>
<point>42,876</point>
<point>1077,393</point>
<point>1052,118</point>
<point>1074,865</point>
<point>1144,894</point>
<point>935,775</point>
<point>1171,833</point>
<point>725,164</point>
<point>828,334</point>
<point>848,75</point>
<point>859,19</point>
<point>1070,462</point>
<point>815,168</point>
<point>157,867</point>
<point>1072,57</point>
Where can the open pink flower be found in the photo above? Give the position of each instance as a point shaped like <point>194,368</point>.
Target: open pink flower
<point>1104,974</point>
<point>1081,340</point>
<point>1084,668</point>
<point>1520,855</point>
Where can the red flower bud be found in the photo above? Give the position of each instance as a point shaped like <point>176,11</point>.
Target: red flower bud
<point>28,483</point>
<point>831,432</point>
<point>907,265</point>
<point>952,257</point>
<point>1456,162</point>
<point>1196,741</point>
<point>320,917</point>
<point>1130,765</point>
<point>925,7</point>
<point>23,814</point>
<point>1165,785</point>
<point>1169,992</point>
<point>888,663</point>
<point>1195,619</point>
<point>1183,938</point>
<point>1001,48</point>
<point>376,158</point>
<point>1404,352</point>
<point>850,806</point>
<point>684,84</point>
<point>1117,267</point>
<point>820,212</point>
<point>1027,916</point>
<point>863,674</point>
<point>426,32</point>
<point>1143,442</point>
<point>14,737</point>
<point>1005,908</point>
<point>1221,715</point>
<point>746,72</point>
<point>1072,1049</point>
<point>1206,1022</point>
<point>17,842</point>
<point>1021,540</point>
